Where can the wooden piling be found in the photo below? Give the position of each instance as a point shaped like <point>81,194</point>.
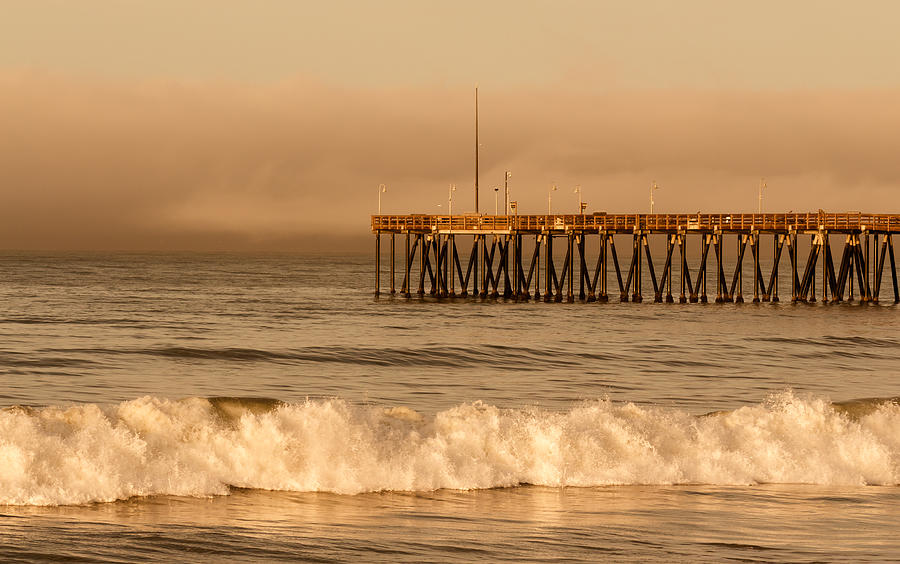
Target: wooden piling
<point>517,266</point>
<point>392,265</point>
<point>879,268</point>
<point>404,290</point>
<point>422,250</point>
<point>777,246</point>
<point>670,244</point>
<point>866,261</point>
<point>701,273</point>
<point>548,265</point>
<point>604,244</point>
<point>377,263</point>
<point>754,248</point>
<point>650,268</point>
<point>685,275</point>
<point>890,243</point>
<point>570,259</point>
<point>537,266</point>
<point>636,273</point>
<point>739,270</point>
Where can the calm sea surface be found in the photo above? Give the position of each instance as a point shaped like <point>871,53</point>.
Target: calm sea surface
<point>205,407</point>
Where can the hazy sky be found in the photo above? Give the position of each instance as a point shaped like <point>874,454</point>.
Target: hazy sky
<point>237,125</point>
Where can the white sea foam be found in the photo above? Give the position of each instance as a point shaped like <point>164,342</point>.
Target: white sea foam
<point>150,446</point>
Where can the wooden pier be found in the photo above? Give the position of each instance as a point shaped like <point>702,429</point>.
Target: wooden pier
<point>505,256</point>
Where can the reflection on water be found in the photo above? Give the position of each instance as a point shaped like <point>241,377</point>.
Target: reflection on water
<point>525,523</point>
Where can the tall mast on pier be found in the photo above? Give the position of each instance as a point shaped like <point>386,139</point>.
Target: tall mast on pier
<point>476,148</point>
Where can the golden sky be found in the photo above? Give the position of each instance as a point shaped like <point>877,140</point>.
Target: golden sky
<point>252,125</point>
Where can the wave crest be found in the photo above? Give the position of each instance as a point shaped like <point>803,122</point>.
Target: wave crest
<point>197,447</point>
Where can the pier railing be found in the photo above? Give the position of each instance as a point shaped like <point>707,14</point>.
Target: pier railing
<point>597,222</point>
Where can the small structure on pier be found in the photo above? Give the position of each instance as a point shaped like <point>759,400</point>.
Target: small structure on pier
<point>504,259</point>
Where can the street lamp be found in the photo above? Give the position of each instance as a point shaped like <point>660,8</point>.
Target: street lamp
<point>652,188</point>
<point>762,186</point>
<point>550,199</point>
<point>381,190</point>
<point>580,205</point>
<point>496,200</point>
<point>450,200</point>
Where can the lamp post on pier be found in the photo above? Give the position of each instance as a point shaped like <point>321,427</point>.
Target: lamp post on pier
<point>762,186</point>
<point>496,200</point>
<point>653,187</point>
<point>550,199</point>
<point>381,190</point>
<point>450,200</point>
<point>578,191</point>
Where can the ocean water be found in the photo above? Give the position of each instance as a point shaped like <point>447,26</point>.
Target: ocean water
<point>205,407</point>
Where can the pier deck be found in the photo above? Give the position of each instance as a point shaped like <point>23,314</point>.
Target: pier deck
<point>505,256</point>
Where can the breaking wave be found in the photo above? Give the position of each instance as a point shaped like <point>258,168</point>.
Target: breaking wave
<point>199,447</point>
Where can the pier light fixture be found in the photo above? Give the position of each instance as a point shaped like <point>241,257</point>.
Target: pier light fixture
<point>550,199</point>
<point>496,200</point>
<point>381,190</point>
<point>450,200</point>
<point>653,187</point>
<point>762,186</point>
<point>578,191</point>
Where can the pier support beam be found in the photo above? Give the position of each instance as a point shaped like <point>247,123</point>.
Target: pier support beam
<point>393,290</point>
<point>635,274</point>
<point>738,279</point>
<point>404,290</point>
<point>826,255</point>
<point>604,244</point>
<point>721,285</point>
<point>851,265</point>
<point>685,273</point>
<point>664,287</point>
<point>422,251</point>
<point>793,253</point>
<point>861,269</point>
<point>890,243</point>
<point>879,267</point>
<point>517,265</point>
<point>454,264</point>
<point>582,267</point>
<point>700,286</point>
<point>867,267</point>
<point>475,260</point>
<point>757,278</point>
<point>668,267</point>
<point>548,266</point>
<point>570,262</point>
<point>377,263</point>
<point>777,246</point>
